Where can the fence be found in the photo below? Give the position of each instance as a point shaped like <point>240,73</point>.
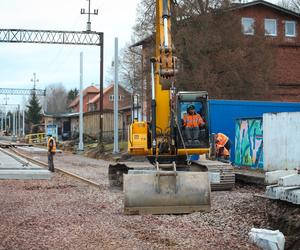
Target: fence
<point>35,138</point>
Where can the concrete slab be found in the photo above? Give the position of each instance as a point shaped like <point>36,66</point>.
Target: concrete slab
<point>25,174</point>
<point>290,180</point>
<point>16,168</point>
<point>272,177</point>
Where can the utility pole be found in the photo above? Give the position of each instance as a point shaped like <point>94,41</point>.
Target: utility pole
<point>116,99</point>
<point>23,131</point>
<point>89,13</point>
<point>5,120</point>
<point>1,120</point>
<point>34,80</point>
<point>80,145</point>
<point>19,120</point>
<point>6,99</point>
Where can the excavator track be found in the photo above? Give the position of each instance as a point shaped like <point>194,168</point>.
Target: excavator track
<point>225,170</point>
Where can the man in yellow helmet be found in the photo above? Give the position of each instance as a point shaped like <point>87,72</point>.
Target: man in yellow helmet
<point>51,146</point>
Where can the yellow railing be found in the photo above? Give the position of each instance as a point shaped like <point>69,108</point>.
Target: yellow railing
<point>35,138</point>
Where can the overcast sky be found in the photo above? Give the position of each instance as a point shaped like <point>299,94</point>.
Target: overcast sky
<point>60,63</point>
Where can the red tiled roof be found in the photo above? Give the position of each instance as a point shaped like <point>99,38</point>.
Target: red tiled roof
<point>111,86</point>
<point>90,89</point>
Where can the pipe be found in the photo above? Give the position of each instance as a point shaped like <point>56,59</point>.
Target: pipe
<point>165,17</point>
<point>153,106</point>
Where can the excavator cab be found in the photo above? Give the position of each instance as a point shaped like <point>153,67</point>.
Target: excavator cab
<point>198,99</point>
<point>172,186</point>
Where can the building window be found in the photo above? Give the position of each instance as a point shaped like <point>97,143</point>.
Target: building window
<point>270,27</point>
<point>112,97</point>
<point>290,28</point>
<point>248,25</point>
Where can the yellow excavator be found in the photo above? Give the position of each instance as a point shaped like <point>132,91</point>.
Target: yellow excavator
<point>174,184</point>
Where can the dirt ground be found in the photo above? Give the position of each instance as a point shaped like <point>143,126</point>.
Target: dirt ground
<point>63,213</point>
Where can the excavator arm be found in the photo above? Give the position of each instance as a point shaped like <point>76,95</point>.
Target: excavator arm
<point>164,189</point>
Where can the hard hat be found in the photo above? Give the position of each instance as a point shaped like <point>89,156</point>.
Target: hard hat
<point>191,107</point>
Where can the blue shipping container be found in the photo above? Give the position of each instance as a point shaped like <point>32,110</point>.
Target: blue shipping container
<point>224,113</point>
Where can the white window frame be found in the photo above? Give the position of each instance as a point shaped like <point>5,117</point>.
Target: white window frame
<point>272,20</point>
<point>111,97</point>
<point>243,29</point>
<point>285,29</point>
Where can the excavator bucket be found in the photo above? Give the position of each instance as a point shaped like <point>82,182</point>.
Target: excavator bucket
<point>166,192</point>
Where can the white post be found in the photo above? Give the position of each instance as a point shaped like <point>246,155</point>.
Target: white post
<point>116,99</point>
<point>1,120</point>
<point>14,123</point>
<point>5,120</point>
<point>19,121</point>
<point>9,122</point>
<point>24,123</point>
<point>80,146</point>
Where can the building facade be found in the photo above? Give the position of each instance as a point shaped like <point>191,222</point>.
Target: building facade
<point>281,28</point>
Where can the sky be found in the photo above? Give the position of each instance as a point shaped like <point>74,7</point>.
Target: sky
<point>60,63</point>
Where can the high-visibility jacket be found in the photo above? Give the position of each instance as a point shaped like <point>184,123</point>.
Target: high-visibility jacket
<point>53,148</point>
<point>221,140</point>
<point>192,121</point>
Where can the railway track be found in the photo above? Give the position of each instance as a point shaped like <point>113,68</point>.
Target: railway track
<point>9,149</point>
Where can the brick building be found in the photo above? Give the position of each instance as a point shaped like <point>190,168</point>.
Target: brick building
<point>108,99</point>
<point>88,94</point>
<point>280,27</point>
<point>124,102</point>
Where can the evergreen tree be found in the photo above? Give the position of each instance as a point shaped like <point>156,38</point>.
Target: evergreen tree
<point>33,113</point>
<point>72,94</point>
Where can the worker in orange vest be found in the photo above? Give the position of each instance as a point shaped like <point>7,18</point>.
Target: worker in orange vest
<point>51,147</point>
<point>191,122</point>
<point>222,145</point>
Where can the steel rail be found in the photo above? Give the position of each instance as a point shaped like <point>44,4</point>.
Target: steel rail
<point>75,176</point>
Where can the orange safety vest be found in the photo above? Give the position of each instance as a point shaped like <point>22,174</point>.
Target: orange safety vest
<point>221,140</point>
<point>192,121</point>
<point>53,150</point>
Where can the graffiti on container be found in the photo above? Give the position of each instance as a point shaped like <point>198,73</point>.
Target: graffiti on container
<point>249,143</point>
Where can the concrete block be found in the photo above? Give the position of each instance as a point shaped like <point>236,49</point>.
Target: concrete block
<point>295,196</point>
<point>290,180</point>
<point>272,177</point>
<point>274,191</point>
<point>286,194</point>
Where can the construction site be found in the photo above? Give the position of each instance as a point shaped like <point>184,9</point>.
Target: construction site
<point>192,143</point>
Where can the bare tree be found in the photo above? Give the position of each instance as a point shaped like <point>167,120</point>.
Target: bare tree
<point>293,5</point>
<point>215,56</point>
<point>145,21</point>
<point>131,67</point>
<point>57,98</point>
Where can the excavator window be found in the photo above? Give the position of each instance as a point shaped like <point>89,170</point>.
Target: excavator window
<point>202,140</point>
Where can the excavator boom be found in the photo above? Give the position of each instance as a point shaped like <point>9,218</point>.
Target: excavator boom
<point>171,186</point>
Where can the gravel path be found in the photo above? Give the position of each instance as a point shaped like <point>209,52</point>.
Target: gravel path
<point>66,214</point>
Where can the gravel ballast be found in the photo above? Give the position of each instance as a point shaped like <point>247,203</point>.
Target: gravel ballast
<point>63,213</point>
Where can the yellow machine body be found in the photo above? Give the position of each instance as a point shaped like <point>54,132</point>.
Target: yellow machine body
<point>137,138</point>
<point>162,191</point>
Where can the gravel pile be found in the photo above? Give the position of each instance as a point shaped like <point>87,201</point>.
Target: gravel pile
<point>66,214</point>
